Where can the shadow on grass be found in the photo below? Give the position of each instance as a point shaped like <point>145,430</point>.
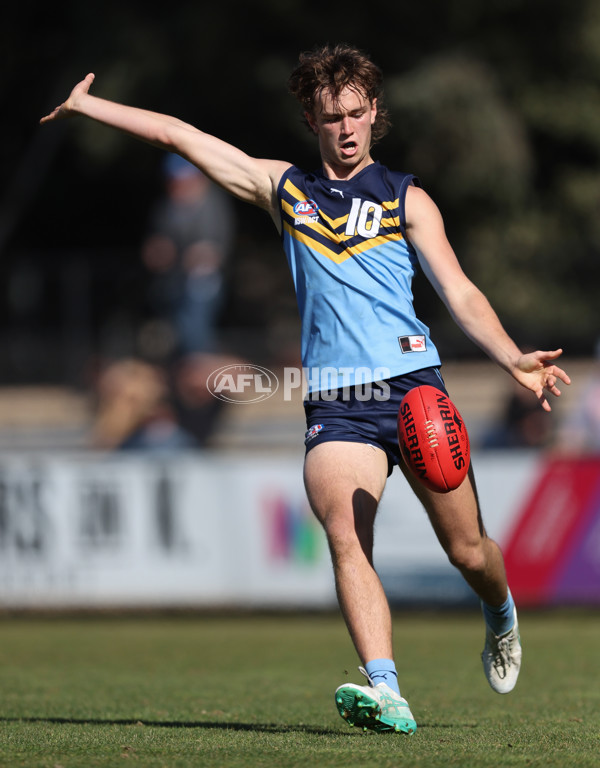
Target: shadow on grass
<point>207,724</point>
<point>213,725</point>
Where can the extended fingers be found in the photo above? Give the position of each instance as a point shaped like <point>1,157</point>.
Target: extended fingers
<point>552,374</point>
<point>52,115</point>
<point>545,404</point>
<point>542,399</point>
<point>551,355</point>
<point>64,109</point>
<point>560,374</point>
<point>543,375</point>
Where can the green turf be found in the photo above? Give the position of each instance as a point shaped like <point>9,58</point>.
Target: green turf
<point>250,691</point>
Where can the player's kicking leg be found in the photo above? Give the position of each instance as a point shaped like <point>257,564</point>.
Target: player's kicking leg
<point>344,482</point>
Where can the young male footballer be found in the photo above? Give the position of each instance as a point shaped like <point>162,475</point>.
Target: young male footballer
<point>354,233</point>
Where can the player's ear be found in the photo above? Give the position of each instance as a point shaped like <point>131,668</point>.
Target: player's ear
<point>373,110</point>
<point>312,122</point>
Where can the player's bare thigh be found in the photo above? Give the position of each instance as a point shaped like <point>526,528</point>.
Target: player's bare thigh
<point>344,481</point>
<point>455,516</point>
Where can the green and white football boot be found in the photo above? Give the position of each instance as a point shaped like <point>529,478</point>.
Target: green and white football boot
<point>374,707</point>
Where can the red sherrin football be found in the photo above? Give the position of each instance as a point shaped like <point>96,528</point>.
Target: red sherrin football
<point>433,439</point>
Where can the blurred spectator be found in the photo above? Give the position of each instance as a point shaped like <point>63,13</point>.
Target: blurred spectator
<point>146,407</point>
<point>134,411</point>
<point>188,246</point>
<point>164,404</point>
<point>196,408</point>
<point>522,424</point>
<point>580,432</point>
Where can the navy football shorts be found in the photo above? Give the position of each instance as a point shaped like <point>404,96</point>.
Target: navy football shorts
<point>367,413</point>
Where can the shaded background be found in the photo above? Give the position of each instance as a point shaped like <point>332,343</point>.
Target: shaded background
<point>495,106</point>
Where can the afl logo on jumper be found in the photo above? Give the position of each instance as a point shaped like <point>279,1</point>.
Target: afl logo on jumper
<point>306,211</point>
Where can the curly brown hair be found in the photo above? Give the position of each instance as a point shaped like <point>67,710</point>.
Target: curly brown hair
<point>334,68</point>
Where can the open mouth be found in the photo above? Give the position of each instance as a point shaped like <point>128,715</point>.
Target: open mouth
<point>349,147</point>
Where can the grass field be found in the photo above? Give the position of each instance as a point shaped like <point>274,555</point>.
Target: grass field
<point>250,691</point>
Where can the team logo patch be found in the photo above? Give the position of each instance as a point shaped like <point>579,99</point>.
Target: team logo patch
<point>306,208</point>
<point>416,343</point>
<point>306,212</point>
<point>312,432</point>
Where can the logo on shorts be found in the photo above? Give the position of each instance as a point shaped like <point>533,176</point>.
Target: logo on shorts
<point>416,343</point>
<point>312,432</point>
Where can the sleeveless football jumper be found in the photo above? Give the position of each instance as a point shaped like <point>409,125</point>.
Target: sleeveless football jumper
<point>352,268</point>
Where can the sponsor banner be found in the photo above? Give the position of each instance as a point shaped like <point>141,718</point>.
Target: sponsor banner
<point>137,531</point>
<point>110,531</point>
<point>205,530</point>
<point>552,552</point>
<point>278,549</point>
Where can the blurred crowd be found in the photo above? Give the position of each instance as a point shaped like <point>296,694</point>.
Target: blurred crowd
<point>523,424</point>
<point>158,400</point>
<point>580,432</point>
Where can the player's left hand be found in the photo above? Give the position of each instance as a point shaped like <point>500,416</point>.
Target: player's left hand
<point>536,371</point>
<point>68,107</point>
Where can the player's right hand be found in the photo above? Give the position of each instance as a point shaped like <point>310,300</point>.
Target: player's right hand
<point>68,107</point>
<point>536,371</point>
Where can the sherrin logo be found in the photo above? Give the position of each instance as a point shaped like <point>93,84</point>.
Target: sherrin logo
<point>306,208</point>
<point>242,383</point>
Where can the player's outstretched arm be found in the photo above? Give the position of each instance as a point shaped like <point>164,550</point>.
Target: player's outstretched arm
<point>250,179</point>
<point>469,307</point>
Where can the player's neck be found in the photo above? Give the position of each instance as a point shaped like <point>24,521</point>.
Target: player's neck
<point>342,172</point>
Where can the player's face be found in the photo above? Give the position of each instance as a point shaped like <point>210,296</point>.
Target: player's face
<point>343,127</point>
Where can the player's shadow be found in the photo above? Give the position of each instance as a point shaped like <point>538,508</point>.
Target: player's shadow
<point>207,724</point>
<point>213,725</point>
